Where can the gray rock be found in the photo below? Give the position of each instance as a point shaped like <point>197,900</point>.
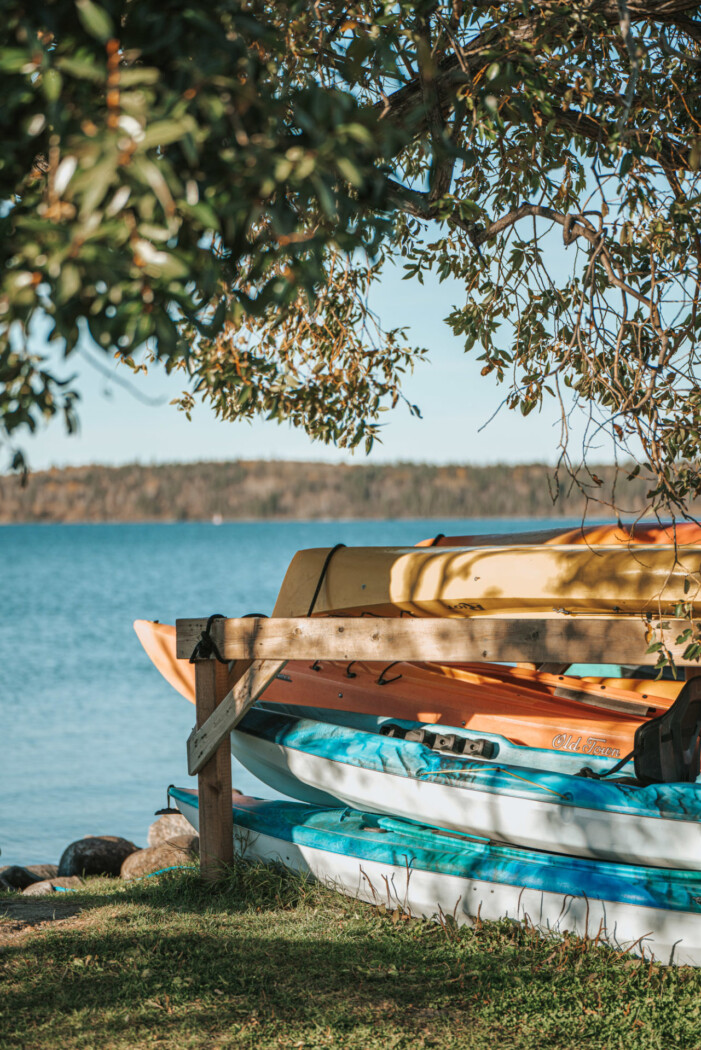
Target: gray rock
<point>182,849</point>
<point>43,871</point>
<point>171,824</point>
<point>46,886</point>
<point>95,855</point>
<point>17,877</point>
<point>5,886</point>
<point>167,827</point>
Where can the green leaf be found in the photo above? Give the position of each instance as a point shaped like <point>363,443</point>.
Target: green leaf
<point>101,177</point>
<point>204,213</point>
<point>626,165</point>
<point>138,75</point>
<point>358,132</point>
<point>82,68</point>
<point>68,282</point>
<point>326,197</point>
<point>51,83</point>
<point>95,20</point>
<point>14,59</point>
<point>349,171</point>
<point>163,132</point>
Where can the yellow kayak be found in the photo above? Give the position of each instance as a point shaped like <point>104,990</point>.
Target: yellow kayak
<point>524,580</point>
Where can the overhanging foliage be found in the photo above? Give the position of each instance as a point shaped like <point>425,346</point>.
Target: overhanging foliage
<point>194,175</point>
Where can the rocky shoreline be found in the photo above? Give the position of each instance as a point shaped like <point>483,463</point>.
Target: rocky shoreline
<point>171,843</point>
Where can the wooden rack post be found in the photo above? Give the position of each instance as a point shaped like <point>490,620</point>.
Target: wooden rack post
<point>214,779</point>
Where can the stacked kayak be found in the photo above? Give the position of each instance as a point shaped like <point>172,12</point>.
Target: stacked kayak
<point>509,802</point>
<point>521,580</point>
<point>426,872</point>
<point>642,533</point>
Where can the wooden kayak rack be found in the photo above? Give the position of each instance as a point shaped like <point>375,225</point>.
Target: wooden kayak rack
<point>260,648</point>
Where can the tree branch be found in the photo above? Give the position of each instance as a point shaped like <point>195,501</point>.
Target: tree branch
<point>422,206</point>
<point>574,226</point>
<point>443,162</point>
<point>671,157</point>
<point>408,105</point>
<point>674,53</point>
<point>624,15</point>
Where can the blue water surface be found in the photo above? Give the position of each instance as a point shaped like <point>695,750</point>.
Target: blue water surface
<point>91,733</point>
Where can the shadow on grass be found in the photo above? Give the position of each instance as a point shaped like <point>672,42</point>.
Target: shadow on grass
<point>29,911</point>
<point>269,959</point>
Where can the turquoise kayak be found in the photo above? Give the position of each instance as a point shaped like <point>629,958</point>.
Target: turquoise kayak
<point>317,761</point>
<point>499,748</point>
<point>426,872</point>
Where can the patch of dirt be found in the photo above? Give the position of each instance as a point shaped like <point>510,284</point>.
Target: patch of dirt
<point>19,916</point>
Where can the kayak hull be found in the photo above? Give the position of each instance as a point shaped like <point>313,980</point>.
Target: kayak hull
<point>527,580</point>
<point>426,874</point>
<point>659,826</point>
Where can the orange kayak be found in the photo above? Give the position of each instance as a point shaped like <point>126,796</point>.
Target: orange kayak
<point>593,716</point>
<point>684,534</point>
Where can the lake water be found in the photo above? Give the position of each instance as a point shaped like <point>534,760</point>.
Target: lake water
<point>91,733</point>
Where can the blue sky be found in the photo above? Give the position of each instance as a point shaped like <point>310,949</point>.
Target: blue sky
<point>454,399</point>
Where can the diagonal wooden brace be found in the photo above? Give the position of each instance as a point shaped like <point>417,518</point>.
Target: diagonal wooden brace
<point>203,742</point>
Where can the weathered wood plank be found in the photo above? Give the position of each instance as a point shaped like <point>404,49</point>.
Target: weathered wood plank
<point>214,781</point>
<point>557,640</point>
<point>214,733</point>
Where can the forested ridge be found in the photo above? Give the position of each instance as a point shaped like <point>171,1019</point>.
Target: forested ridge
<point>260,489</point>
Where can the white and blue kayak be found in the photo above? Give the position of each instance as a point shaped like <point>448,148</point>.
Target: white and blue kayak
<point>425,872</point>
<point>317,762</point>
<point>444,738</point>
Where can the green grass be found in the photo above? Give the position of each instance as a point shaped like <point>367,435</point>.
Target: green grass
<point>269,960</point>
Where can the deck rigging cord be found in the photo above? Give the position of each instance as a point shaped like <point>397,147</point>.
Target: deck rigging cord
<point>322,575</point>
<point>386,681</point>
<point>316,666</point>
<point>206,647</point>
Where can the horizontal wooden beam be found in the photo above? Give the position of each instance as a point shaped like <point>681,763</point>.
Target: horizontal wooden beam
<point>565,639</point>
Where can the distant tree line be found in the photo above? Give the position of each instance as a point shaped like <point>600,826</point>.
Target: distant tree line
<point>245,490</point>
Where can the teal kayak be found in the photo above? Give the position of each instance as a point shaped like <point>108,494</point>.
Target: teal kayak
<point>426,872</point>
<point>658,825</point>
